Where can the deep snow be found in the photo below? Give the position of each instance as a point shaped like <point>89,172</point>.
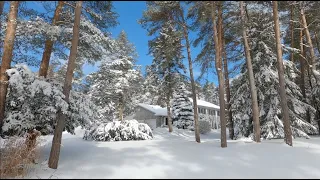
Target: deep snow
<point>177,155</point>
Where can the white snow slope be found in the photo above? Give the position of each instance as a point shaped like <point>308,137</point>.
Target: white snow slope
<point>177,155</point>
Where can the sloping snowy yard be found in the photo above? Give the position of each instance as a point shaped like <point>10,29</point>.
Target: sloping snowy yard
<point>177,155</point>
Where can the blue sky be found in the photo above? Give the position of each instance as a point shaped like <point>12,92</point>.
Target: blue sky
<point>129,13</point>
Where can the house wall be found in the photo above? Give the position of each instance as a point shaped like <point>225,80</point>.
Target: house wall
<point>143,114</point>
<point>160,121</point>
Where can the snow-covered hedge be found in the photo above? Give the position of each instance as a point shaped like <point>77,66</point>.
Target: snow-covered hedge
<point>204,127</point>
<point>119,131</point>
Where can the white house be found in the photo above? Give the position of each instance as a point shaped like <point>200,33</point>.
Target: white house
<point>156,116</point>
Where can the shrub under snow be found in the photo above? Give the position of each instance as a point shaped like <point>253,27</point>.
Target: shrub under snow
<point>204,127</point>
<point>119,131</point>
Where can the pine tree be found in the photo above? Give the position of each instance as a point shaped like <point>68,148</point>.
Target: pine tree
<point>210,92</point>
<point>61,118</point>
<point>218,64</point>
<point>7,56</point>
<point>167,61</point>
<point>153,19</point>
<point>182,113</point>
<point>264,61</point>
<point>49,43</point>
<point>116,83</point>
<point>255,108</point>
<point>283,96</point>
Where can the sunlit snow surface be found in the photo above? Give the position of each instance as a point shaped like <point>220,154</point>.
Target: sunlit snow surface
<point>177,155</point>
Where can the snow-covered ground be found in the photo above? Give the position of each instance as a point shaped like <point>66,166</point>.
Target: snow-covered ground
<point>177,155</point>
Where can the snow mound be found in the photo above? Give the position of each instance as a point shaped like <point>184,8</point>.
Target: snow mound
<point>119,131</point>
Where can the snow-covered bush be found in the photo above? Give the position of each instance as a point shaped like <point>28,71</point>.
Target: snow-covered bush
<point>204,127</point>
<point>119,131</point>
<point>32,103</point>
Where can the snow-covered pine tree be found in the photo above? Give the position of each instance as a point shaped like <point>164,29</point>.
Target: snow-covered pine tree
<point>182,111</point>
<point>157,14</point>
<point>210,93</point>
<point>264,62</point>
<point>116,83</point>
<point>167,52</point>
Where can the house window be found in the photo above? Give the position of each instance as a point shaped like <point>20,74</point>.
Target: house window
<point>218,113</point>
<point>199,110</point>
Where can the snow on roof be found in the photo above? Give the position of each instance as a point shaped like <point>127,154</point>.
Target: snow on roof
<point>157,110</point>
<point>205,104</point>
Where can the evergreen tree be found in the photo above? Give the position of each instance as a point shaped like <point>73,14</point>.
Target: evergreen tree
<point>182,113</point>
<point>159,13</point>
<point>167,61</point>
<point>116,83</point>
<point>210,93</point>
<point>264,62</point>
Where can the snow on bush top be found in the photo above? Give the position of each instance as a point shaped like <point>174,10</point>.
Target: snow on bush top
<point>119,131</point>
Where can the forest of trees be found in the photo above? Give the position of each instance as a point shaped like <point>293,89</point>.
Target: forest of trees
<point>264,55</point>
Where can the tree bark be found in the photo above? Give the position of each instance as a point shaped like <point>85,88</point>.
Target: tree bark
<point>193,85</point>
<point>291,32</point>
<point>43,71</point>
<point>283,97</point>
<point>253,90</point>
<point>56,142</point>
<point>226,76</point>
<point>169,112</point>
<point>302,71</point>
<point>7,57</point>
<point>121,103</point>
<point>218,63</point>
<point>309,41</point>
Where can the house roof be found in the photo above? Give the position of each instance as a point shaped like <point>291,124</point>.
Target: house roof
<point>157,110</point>
<point>205,104</point>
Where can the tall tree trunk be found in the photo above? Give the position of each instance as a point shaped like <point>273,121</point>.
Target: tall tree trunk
<point>302,71</point>
<point>227,84</point>
<point>218,64</point>
<point>43,71</point>
<point>7,56</point>
<point>226,75</point>
<point>291,31</point>
<point>283,96</point>
<point>253,90</point>
<point>121,103</point>
<point>169,112</point>
<point>56,142</point>
<point>193,85</point>
<point>309,41</point>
